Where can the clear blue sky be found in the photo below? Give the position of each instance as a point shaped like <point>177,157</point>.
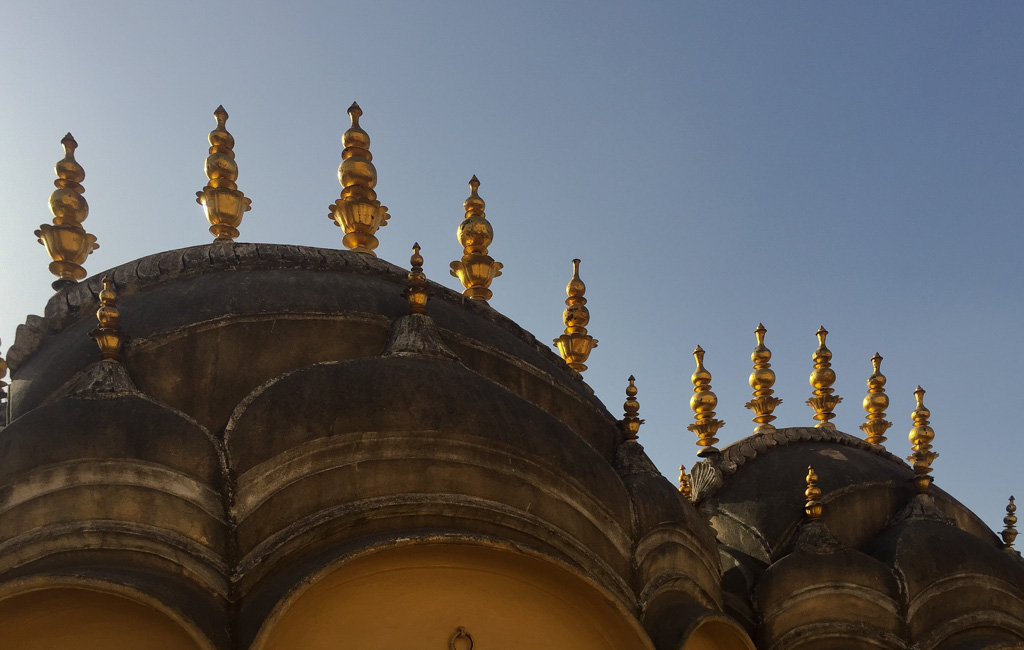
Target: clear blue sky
<point>856,165</point>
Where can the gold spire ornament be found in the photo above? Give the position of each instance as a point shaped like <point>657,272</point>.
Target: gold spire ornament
<point>575,344</point>
<point>875,403</point>
<point>703,403</point>
<point>813,507</point>
<point>761,381</point>
<point>358,212</point>
<point>631,417</point>
<point>822,378</point>
<point>684,483</point>
<point>416,291</point>
<point>221,199</point>
<point>921,437</point>
<point>108,335</point>
<point>476,269</point>
<point>66,241</point>
<point>3,373</point>
<point>1009,533</point>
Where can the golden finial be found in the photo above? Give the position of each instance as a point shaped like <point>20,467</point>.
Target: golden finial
<point>221,199</point>
<point>684,483</point>
<point>761,380</point>
<point>358,212</point>
<point>703,405</point>
<point>476,269</point>
<point>108,335</point>
<point>1009,533</point>
<point>416,291</point>
<point>921,437</point>
<point>813,507</point>
<point>821,380</point>
<point>875,403</point>
<point>3,373</point>
<point>575,344</point>
<point>66,241</point>
<point>631,417</point>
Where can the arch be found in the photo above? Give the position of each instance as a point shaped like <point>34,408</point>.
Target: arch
<point>718,634</point>
<point>417,597</point>
<point>86,615</point>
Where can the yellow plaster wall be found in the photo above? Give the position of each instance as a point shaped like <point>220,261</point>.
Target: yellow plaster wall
<point>414,598</point>
<point>63,618</point>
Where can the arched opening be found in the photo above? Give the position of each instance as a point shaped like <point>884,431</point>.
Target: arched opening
<point>718,635</point>
<point>84,619</point>
<point>419,597</point>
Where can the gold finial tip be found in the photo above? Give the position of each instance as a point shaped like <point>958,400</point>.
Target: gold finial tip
<point>760,328</point>
<point>354,110</point>
<point>474,181</point>
<point>822,330</point>
<point>221,114</point>
<point>69,142</point>
<point>698,349</point>
<point>416,246</point>
<point>632,379</point>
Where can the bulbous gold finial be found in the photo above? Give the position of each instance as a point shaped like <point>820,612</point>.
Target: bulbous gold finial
<point>476,269</point>
<point>875,403</point>
<point>108,335</point>
<point>761,380</point>
<point>575,344</point>
<point>631,417</point>
<point>221,199</point>
<point>822,378</point>
<point>1009,532</point>
<point>921,437</point>
<point>684,483</point>
<point>416,291</point>
<point>66,241</point>
<point>703,403</point>
<point>358,212</point>
<point>3,384</point>
<point>813,507</point>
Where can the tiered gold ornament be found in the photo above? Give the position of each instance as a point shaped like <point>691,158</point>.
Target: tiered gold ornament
<point>703,403</point>
<point>631,417</point>
<point>822,378</point>
<point>221,199</point>
<point>761,380</point>
<point>921,437</point>
<point>813,507</point>
<point>476,269</point>
<point>3,374</point>
<point>416,291</point>
<point>108,335</point>
<point>66,241</point>
<point>1009,532</point>
<point>358,212</point>
<point>684,483</point>
<point>875,403</point>
<point>575,344</point>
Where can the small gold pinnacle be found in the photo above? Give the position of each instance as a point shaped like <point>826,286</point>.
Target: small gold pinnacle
<point>921,437</point>
<point>630,419</point>
<point>703,403</point>
<point>822,378</point>
<point>813,507</point>
<point>476,269</point>
<point>875,403</point>
<point>1009,533</point>
<point>221,199</point>
<point>108,335</point>
<point>358,212</point>
<point>416,291</point>
<point>66,241</point>
<point>575,344</point>
<point>761,381</point>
